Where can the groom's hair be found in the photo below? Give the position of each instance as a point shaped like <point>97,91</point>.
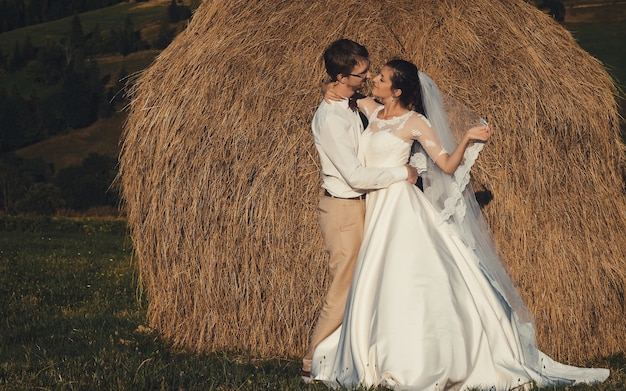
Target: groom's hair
<point>341,56</point>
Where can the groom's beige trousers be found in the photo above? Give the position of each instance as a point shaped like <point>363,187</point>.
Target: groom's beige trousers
<point>341,222</point>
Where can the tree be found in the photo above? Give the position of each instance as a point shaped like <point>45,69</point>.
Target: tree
<point>94,43</point>
<point>22,54</point>
<point>16,60</point>
<point>20,13</point>
<point>16,177</point>
<point>89,184</point>
<point>77,37</point>
<point>554,8</point>
<point>33,122</point>
<point>177,11</point>
<point>29,51</point>
<point>116,95</point>
<point>3,62</point>
<point>81,93</point>
<point>36,11</point>
<point>49,67</point>
<point>41,199</point>
<point>128,40</point>
<point>12,15</point>
<point>173,15</point>
<point>11,113</point>
<point>12,185</point>
<point>165,37</point>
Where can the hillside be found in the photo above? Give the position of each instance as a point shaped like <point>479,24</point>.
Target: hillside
<point>70,149</point>
<point>143,14</point>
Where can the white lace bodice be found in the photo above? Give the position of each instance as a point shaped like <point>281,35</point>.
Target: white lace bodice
<point>387,142</point>
<point>381,146</point>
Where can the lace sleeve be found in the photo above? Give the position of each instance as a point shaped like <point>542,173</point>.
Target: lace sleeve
<point>424,134</point>
<point>443,190</point>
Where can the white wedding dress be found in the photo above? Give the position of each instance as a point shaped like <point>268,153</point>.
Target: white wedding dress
<point>421,315</point>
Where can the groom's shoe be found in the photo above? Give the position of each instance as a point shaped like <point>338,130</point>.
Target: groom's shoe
<point>306,376</point>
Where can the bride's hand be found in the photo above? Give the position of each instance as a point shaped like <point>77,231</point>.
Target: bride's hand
<point>328,91</point>
<point>479,133</point>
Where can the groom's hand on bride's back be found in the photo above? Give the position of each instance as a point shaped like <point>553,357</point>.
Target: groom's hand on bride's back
<point>412,178</point>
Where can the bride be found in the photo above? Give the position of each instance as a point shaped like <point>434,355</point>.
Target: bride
<point>430,306</point>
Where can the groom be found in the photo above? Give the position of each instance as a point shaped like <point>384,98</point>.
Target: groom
<point>336,129</point>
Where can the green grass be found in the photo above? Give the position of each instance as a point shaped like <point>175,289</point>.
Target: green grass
<point>73,318</point>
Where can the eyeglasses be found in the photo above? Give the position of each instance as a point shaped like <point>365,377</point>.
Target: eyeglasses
<point>360,75</point>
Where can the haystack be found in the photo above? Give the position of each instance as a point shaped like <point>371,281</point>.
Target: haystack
<point>221,178</point>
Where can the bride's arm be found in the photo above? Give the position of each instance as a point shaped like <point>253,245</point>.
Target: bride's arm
<point>448,162</point>
<point>366,104</point>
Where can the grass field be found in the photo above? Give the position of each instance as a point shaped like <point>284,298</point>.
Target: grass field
<point>73,319</point>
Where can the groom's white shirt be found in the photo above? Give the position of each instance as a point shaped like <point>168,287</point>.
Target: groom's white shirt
<point>336,132</point>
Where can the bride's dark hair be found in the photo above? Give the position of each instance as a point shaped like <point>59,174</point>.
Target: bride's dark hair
<point>405,76</point>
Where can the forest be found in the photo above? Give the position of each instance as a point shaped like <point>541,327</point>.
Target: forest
<point>66,90</point>
<point>20,13</point>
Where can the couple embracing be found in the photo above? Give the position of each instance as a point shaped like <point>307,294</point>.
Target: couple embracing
<point>418,297</point>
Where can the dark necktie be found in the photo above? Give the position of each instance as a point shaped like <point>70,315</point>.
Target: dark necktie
<point>352,104</point>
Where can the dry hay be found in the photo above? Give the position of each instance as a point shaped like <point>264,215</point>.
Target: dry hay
<point>221,178</point>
